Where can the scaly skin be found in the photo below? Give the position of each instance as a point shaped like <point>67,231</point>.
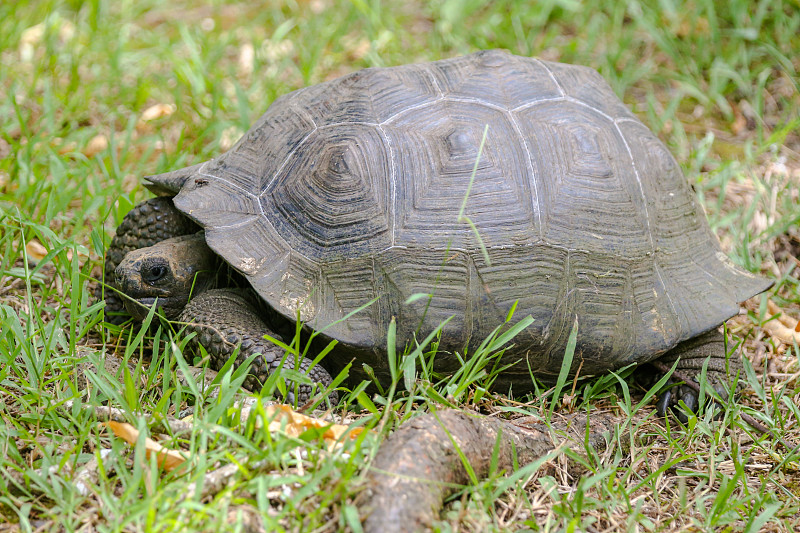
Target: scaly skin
<point>173,271</point>
<point>179,272</point>
<point>225,318</point>
<point>691,356</point>
<point>148,223</point>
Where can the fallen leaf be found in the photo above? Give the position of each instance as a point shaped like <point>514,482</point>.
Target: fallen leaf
<point>5,149</point>
<point>318,6</point>
<point>97,144</point>
<point>275,51</point>
<point>28,41</point>
<point>784,327</point>
<point>32,35</point>
<point>68,148</point>
<point>167,459</point>
<point>695,25</point>
<point>284,419</point>
<point>35,251</point>
<point>784,318</point>
<point>247,54</point>
<point>152,113</point>
<point>739,123</point>
<point>66,30</point>
<point>157,111</point>
<point>81,253</point>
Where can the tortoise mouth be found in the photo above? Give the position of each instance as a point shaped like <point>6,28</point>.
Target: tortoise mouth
<point>149,301</point>
<point>140,307</point>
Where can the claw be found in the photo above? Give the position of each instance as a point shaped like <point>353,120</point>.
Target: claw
<point>669,401</point>
<point>663,403</point>
<point>690,399</point>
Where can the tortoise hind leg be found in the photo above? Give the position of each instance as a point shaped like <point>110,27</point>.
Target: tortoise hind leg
<point>148,223</point>
<point>226,318</point>
<point>691,355</point>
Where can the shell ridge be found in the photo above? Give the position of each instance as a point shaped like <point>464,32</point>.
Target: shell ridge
<point>392,184</point>
<point>657,269</point>
<point>349,123</point>
<point>434,82</point>
<point>552,76</point>
<point>532,103</point>
<point>639,183</point>
<point>277,172</point>
<point>238,224</point>
<point>466,74</point>
<point>477,101</point>
<point>533,176</point>
<point>411,108</point>
<point>230,183</point>
<point>556,325</point>
<point>716,283</point>
<point>591,108</point>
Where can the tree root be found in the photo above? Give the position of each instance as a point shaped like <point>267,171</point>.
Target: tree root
<point>418,466</point>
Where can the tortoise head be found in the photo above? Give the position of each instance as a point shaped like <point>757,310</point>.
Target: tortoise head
<point>171,271</point>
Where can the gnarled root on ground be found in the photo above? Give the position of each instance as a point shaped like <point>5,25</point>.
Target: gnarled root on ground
<point>417,467</point>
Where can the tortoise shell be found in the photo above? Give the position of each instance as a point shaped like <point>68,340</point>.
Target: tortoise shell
<point>349,194</point>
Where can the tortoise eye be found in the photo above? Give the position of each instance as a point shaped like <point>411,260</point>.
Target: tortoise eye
<point>153,273</point>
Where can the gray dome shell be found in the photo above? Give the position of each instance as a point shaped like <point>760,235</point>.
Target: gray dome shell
<point>349,192</point>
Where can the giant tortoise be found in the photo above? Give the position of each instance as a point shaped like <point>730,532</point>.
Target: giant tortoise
<point>483,182</point>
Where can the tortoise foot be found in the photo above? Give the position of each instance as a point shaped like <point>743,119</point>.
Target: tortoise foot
<point>227,319</point>
<point>671,399</point>
<point>682,397</point>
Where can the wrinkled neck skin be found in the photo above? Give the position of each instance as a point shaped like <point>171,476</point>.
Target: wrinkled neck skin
<point>168,274</point>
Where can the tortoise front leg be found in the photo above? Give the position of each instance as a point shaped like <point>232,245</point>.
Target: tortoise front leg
<point>148,223</point>
<point>692,355</point>
<point>224,319</point>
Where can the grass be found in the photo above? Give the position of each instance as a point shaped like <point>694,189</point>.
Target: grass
<point>94,95</point>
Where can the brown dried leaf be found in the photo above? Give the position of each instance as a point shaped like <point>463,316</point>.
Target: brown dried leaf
<point>693,25</point>
<point>167,459</point>
<point>32,35</point>
<point>68,148</point>
<point>29,40</point>
<point>781,332</point>
<point>5,149</point>
<point>97,144</point>
<point>284,418</point>
<point>35,250</point>
<point>783,317</point>
<point>152,113</point>
<point>785,327</point>
<point>247,55</point>
<point>157,111</point>
<point>739,123</point>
